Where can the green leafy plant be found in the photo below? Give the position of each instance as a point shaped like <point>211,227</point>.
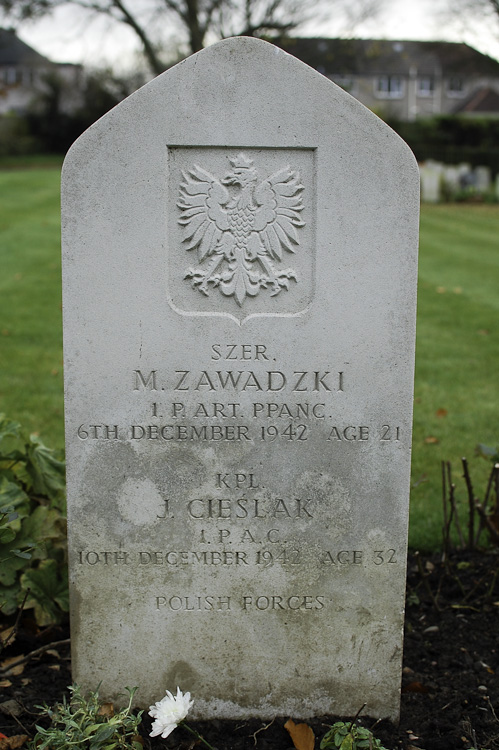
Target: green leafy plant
<point>32,526</point>
<point>7,533</point>
<point>349,736</point>
<point>88,724</point>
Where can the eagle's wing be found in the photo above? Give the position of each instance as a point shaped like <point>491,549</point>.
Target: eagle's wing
<point>203,217</point>
<point>279,201</point>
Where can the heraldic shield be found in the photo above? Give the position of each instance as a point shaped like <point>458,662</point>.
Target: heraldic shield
<point>240,231</point>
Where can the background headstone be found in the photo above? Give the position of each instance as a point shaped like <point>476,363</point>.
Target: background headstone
<point>451,180</point>
<point>483,179</point>
<point>431,174</point>
<point>240,243</point>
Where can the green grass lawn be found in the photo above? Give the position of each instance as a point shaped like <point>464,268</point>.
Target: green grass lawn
<point>30,301</point>
<point>457,355</point>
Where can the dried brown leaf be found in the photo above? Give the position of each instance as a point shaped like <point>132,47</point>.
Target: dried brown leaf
<point>302,735</point>
<point>8,635</point>
<point>11,660</point>
<point>415,687</point>
<point>107,709</point>
<point>431,439</point>
<point>441,412</point>
<point>14,742</point>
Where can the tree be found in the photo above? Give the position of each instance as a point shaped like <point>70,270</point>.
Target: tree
<point>197,20</point>
<point>54,125</point>
<point>476,21</point>
<point>474,7</point>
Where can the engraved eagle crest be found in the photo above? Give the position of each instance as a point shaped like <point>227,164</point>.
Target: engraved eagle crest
<point>240,226</point>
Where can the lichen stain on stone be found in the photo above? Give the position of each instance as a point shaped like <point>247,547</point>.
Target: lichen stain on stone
<point>181,674</point>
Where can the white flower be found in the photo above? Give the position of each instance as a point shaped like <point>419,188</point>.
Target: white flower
<point>169,712</point>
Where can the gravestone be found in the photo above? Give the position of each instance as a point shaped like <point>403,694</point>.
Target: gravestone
<point>451,180</point>
<point>431,174</point>
<point>483,179</point>
<point>240,244</point>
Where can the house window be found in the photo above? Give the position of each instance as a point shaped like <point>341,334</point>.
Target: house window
<point>455,86</point>
<point>389,87</point>
<point>426,86</point>
<point>9,76</point>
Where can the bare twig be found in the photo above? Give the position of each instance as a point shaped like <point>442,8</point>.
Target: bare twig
<point>446,526</point>
<point>13,716</point>
<point>494,516</point>
<point>492,709</point>
<point>36,652</point>
<point>492,586</point>
<point>427,586</point>
<point>452,501</point>
<point>489,487</point>
<point>471,504</point>
<point>488,523</point>
<point>475,587</point>
<point>262,729</point>
<point>356,716</point>
<point>482,524</point>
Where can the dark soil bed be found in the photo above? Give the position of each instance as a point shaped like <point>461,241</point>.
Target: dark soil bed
<point>450,685</point>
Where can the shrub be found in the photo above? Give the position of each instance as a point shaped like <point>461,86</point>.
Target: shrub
<point>33,571</point>
<point>452,139</point>
<point>87,724</point>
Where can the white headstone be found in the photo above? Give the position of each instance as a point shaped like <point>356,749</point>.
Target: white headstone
<point>431,182</point>
<point>451,179</point>
<point>483,179</point>
<point>240,241</point>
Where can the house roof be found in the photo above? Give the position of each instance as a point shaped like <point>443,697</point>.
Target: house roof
<point>484,100</point>
<point>397,57</point>
<point>15,52</point>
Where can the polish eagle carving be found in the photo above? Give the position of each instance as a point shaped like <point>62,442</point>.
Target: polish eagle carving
<point>239,226</point>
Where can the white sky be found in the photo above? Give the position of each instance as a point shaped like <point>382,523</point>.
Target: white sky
<point>67,35</point>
